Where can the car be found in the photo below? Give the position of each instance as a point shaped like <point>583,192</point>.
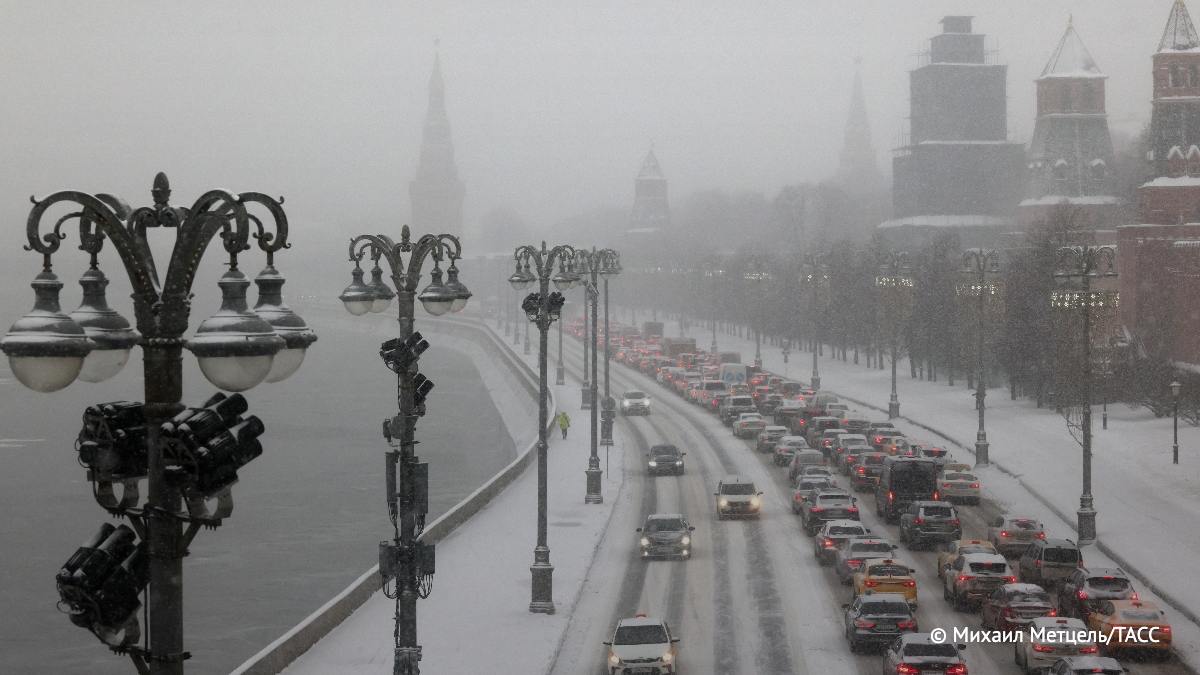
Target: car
<point>898,446</point>
<point>737,496</point>
<point>828,440</point>
<point>930,451</point>
<point>959,486</point>
<point>827,505</point>
<point>817,426</point>
<point>769,405</point>
<point>1078,593</point>
<point>973,577</point>
<point>1012,534</point>
<point>925,522</point>
<point>735,405</point>
<point>665,459</point>
<point>1077,665</point>
<point>814,471</point>
<point>885,575</point>
<point>748,424</point>
<point>877,426</point>
<point>769,436</point>
<point>1051,638</point>
<point>914,653</point>
<point>799,459</point>
<point>1131,626</point>
<point>667,375</point>
<point>956,548</point>
<point>707,388</point>
<point>715,399</point>
<point>902,481</point>
<point>664,535</point>
<point>642,645</point>
<point>1014,606</point>
<point>854,424</point>
<point>635,403</point>
<point>880,438</point>
<point>806,488</point>
<point>848,442</point>
<point>877,619</point>
<point>833,535</point>
<point>856,551</point>
<point>866,471</point>
<point>1048,562</point>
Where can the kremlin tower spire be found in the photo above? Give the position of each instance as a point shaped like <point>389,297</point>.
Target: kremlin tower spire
<point>436,191</point>
<point>857,170</point>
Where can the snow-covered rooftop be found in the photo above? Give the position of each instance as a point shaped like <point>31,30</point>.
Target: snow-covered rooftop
<point>1179,34</point>
<point>1176,181</point>
<point>970,220</point>
<point>1084,200</point>
<point>1071,58</point>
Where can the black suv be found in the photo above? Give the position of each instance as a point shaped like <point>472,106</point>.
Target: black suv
<point>665,459</point>
<point>827,505</point>
<point>878,618</point>
<point>902,481</point>
<point>666,534</point>
<point>925,522</point>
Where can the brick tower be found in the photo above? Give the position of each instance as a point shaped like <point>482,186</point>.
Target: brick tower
<point>1173,196</point>
<point>436,192</point>
<point>651,210</point>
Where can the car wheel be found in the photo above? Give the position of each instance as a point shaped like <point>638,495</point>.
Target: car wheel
<point>945,593</point>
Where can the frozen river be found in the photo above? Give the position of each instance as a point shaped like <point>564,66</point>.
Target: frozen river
<point>308,513</point>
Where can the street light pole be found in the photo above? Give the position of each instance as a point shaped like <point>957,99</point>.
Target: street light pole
<point>591,265</point>
<point>980,262</point>
<point>236,348</point>
<point>894,274</point>
<point>406,561</point>
<point>758,273</point>
<point>714,276</point>
<point>816,277</point>
<point>560,371</point>
<point>1175,387</point>
<point>542,307</point>
<point>1084,263</point>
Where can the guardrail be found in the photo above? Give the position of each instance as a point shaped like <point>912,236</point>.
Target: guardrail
<point>291,645</point>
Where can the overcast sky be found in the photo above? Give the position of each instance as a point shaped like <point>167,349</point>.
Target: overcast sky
<point>552,104</point>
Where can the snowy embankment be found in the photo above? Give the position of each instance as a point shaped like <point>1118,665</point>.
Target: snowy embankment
<point>1149,514</point>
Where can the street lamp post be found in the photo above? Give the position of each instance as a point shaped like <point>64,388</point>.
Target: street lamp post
<point>542,307</point>
<point>715,276</point>
<point>1083,263</point>
<point>591,265</point>
<point>606,422</point>
<point>560,371</point>
<point>188,456</point>
<point>894,275</point>
<point>1175,387</point>
<point>815,275</point>
<point>406,560</point>
<point>757,273</point>
<point>585,390</point>
<point>977,264</point>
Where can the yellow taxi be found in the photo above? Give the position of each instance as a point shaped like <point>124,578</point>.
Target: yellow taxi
<point>954,549</point>
<point>879,575</point>
<point>1131,625</point>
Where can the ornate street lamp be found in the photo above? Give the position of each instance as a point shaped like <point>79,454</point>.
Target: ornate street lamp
<point>542,307</point>
<point>1175,388</point>
<point>815,274</point>
<point>1082,264</point>
<point>895,278</point>
<point>589,267</point>
<point>977,265</point>
<point>406,561</point>
<point>236,348</point>
<point>757,271</point>
<point>715,275</point>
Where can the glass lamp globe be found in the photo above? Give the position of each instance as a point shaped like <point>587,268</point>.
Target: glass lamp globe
<point>357,297</point>
<point>111,334</point>
<point>380,290</point>
<point>235,347</point>
<point>521,279</point>
<point>46,348</point>
<point>461,294</point>
<point>436,298</point>
<point>296,334</point>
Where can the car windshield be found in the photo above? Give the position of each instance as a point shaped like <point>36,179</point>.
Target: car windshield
<point>1062,555</point>
<point>1111,584</point>
<point>938,512</point>
<point>1141,614</point>
<point>844,529</point>
<point>1027,597</point>
<point>887,571</point>
<point>871,547</point>
<point>738,489</point>
<point>1025,524</point>
<point>989,567</point>
<point>635,394</point>
<point>885,609</point>
<point>640,635</point>
<point>664,525</point>
<point>921,649</point>
<point>665,451</point>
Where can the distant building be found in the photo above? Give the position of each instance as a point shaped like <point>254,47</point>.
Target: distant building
<point>956,170</point>
<point>858,168</point>
<point>1070,159</point>
<point>436,192</point>
<point>651,211</point>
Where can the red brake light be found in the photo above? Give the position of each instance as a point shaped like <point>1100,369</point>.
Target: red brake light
<point>1053,612</point>
<point>975,485</point>
<point>1003,533</point>
<point>891,496</point>
<point>828,543</point>
<point>945,485</point>
<point>954,522</point>
<point>1081,594</point>
<point>1037,563</point>
<point>879,439</point>
<point>966,577</point>
<point>816,509</point>
<point>1045,648</point>
<point>907,624</point>
<point>855,563</point>
<point>1041,535</point>
<point>862,471</point>
<point>1010,579</point>
<point>910,584</point>
<point>863,623</point>
<point>852,509</point>
<point>1088,649</point>
<point>871,583</point>
<point>1135,597</point>
<point>956,669</point>
<point>936,495</point>
<point>918,521</point>
<point>907,669</point>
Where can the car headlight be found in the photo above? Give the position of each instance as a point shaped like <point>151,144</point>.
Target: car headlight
<point>666,658</point>
<point>755,502</point>
<point>686,541</point>
<point>653,463</point>
<point>624,404</point>
<point>679,462</point>
<point>613,659</point>
<point>645,541</point>
<point>723,503</point>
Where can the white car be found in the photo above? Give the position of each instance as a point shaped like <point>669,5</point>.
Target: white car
<point>635,403</point>
<point>748,424</point>
<point>1035,657</point>
<point>961,486</point>
<point>642,645</point>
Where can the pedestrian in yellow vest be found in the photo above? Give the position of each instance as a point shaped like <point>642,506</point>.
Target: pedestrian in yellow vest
<point>564,422</point>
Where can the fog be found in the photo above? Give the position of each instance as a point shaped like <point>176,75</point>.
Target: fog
<point>552,105</point>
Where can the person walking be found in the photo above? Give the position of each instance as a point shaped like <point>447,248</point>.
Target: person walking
<point>564,422</point>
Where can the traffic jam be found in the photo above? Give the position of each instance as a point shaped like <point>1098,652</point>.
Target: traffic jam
<point>929,523</point>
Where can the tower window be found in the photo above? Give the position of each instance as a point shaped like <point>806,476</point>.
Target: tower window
<point>1176,76</point>
<point>1193,76</point>
<point>1067,103</point>
<point>1099,169</point>
<point>1060,170</point>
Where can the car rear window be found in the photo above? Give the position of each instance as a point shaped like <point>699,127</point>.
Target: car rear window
<point>1025,597</point>
<point>873,547</point>
<point>815,484</point>
<point>834,499</point>
<point>989,567</point>
<point>886,609</point>
<point>1061,555</point>
<point>888,571</point>
<point>1111,584</point>
<point>640,635</point>
<point>840,529</point>
<point>942,650</point>
<point>873,459</point>
<point>741,400</point>
<point>959,476</point>
<point>938,511</point>
<point>1025,524</point>
<point>1139,614</point>
<point>738,488</point>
